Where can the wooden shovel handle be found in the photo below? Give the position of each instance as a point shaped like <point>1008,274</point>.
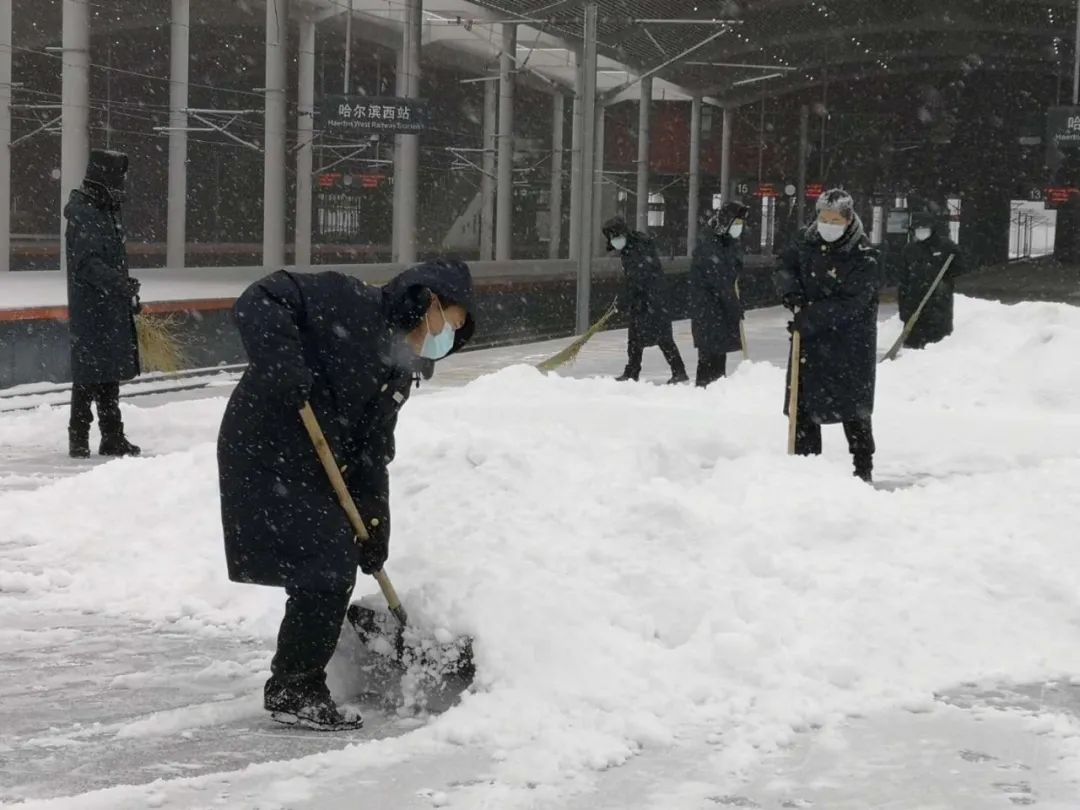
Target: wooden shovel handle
<point>793,397</point>
<point>337,481</point>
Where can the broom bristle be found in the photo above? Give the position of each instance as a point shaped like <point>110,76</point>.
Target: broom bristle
<point>570,353</point>
<point>160,345</point>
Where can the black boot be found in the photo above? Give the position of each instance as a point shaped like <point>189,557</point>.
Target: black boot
<point>306,702</point>
<point>864,468</point>
<point>678,378</point>
<point>627,376</point>
<point>79,443</point>
<point>117,446</point>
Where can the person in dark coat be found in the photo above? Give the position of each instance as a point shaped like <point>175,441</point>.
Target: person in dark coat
<point>102,302</point>
<point>830,279</point>
<point>714,300</point>
<point>354,352</point>
<point>644,299</point>
<point>921,261</point>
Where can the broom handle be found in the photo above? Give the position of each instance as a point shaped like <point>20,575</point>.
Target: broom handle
<point>337,481</point>
<point>793,398</point>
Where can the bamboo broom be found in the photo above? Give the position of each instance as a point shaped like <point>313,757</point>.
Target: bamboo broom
<point>160,346</point>
<point>570,353</point>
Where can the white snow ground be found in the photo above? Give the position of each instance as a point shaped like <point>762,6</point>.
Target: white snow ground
<point>667,611</point>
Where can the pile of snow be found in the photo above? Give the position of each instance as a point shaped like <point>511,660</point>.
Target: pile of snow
<point>642,566</point>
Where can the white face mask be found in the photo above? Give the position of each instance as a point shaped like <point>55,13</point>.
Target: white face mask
<point>735,230</point>
<point>618,242</point>
<point>830,232</point>
<point>922,234</point>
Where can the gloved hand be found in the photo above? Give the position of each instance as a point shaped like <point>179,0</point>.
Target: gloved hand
<point>374,551</point>
<point>793,300</point>
<point>133,287</point>
<point>798,323</point>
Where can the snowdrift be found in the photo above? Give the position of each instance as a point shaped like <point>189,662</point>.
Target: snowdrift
<point>643,566</point>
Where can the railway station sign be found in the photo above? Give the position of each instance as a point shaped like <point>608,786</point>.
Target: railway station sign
<point>348,116</point>
<point>1062,133</point>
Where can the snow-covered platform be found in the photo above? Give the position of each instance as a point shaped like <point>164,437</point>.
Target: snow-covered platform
<point>668,612</point>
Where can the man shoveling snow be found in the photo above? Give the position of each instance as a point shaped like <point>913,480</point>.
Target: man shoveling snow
<point>353,352</point>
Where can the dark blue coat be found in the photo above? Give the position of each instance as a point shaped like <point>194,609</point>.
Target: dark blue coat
<point>104,345</point>
<point>644,295</point>
<point>714,304</point>
<point>840,283</point>
<point>340,344</point>
<point>921,263</point>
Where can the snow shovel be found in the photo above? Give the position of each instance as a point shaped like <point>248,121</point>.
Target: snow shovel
<point>408,648</point>
<point>910,325</point>
<point>793,397</point>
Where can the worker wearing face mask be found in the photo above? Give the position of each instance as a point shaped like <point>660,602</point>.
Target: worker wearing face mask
<point>353,352</point>
<point>830,278</point>
<point>714,299</point>
<point>921,261</point>
<point>644,298</point>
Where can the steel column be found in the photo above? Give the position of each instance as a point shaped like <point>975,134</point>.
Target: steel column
<point>804,149</point>
<point>558,122</point>
<point>277,36</point>
<point>725,156</point>
<point>179,60</point>
<point>305,111</point>
<point>575,163</point>
<point>694,194</point>
<point>395,226</point>
<point>504,194</point>
<point>75,105</point>
<point>588,141</point>
<point>5,135</point>
<point>598,180</point>
<point>408,146</point>
<point>487,176</point>
<point>643,155</point>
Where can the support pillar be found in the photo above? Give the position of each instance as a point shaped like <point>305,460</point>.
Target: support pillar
<point>588,140</point>
<point>693,200</point>
<point>598,181</point>
<point>408,146</point>
<point>487,177</point>
<point>176,229</point>
<point>75,106</point>
<point>725,156</point>
<point>395,226</point>
<point>643,154</point>
<point>504,196</point>
<point>575,163</point>
<point>277,32</point>
<point>5,135</point>
<point>558,122</point>
<point>305,111</point>
<point>804,149</point>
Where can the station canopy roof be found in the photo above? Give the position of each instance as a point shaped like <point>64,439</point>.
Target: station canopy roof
<point>735,51</point>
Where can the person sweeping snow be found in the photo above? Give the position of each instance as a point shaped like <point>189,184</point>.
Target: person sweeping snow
<point>830,279</point>
<point>353,352</point>
<point>102,302</point>
<point>645,300</point>
<point>715,308</point>
<point>921,262</point>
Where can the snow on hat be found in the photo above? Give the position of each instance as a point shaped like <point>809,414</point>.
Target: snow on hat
<point>836,199</point>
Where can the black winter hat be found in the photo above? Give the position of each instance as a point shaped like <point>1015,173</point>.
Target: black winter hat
<point>107,169</point>
<point>727,213</point>
<point>616,226</point>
